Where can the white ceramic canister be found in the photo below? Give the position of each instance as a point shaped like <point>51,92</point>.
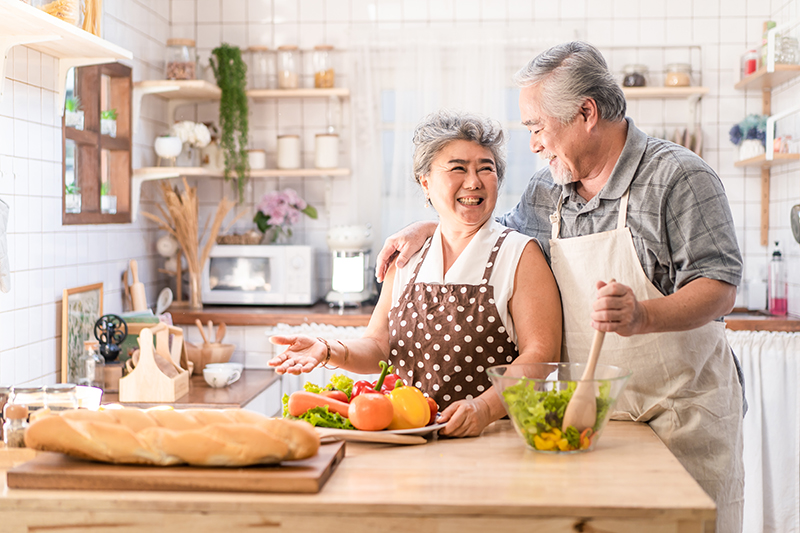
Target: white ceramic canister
<point>257,159</point>
<point>326,150</point>
<point>288,151</point>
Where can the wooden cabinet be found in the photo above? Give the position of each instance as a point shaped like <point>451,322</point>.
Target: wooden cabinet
<point>97,161</point>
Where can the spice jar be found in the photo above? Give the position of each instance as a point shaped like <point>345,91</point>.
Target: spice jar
<point>789,53</point>
<point>634,76</point>
<point>67,10</point>
<point>257,159</point>
<point>288,151</point>
<point>749,63</point>
<point>678,75</point>
<point>62,397</point>
<point>288,59</point>
<point>326,150</point>
<point>323,66</point>
<point>261,67</point>
<point>91,366</point>
<point>181,59</point>
<point>15,424</point>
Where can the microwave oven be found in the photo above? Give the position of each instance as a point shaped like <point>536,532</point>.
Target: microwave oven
<point>260,275</point>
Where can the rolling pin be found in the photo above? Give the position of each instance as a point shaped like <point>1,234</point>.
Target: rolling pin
<point>138,296</point>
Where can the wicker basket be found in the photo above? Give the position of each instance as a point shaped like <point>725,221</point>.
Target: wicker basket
<point>251,237</point>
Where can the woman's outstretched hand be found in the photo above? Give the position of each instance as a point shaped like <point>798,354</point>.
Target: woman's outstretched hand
<point>303,354</point>
<point>465,418</point>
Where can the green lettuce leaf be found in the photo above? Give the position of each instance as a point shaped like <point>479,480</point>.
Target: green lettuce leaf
<point>342,383</point>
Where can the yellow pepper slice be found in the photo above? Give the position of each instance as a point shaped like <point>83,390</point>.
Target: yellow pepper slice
<point>542,444</point>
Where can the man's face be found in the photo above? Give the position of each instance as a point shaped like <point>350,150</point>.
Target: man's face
<point>561,145</point>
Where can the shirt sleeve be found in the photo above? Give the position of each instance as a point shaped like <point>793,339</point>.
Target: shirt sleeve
<point>700,229</point>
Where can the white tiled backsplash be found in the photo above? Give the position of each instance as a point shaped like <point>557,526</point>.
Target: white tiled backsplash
<point>47,257</point>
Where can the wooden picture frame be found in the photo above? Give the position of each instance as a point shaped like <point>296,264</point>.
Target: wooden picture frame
<point>80,309</point>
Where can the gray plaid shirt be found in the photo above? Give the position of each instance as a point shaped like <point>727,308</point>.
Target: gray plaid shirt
<point>678,213</point>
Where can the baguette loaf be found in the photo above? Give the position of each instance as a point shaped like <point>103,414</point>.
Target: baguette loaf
<point>203,437</point>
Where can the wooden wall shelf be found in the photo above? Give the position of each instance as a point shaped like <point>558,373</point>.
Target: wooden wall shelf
<point>633,93</point>
<point>762,162</point>
<point>761,79</point>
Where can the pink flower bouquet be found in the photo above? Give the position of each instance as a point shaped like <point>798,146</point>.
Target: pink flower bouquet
<point>279,210</point>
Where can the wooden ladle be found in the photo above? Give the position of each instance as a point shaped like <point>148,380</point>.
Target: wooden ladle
<point>202,330</point>
<point>581,410</point>
<point>221,329</point>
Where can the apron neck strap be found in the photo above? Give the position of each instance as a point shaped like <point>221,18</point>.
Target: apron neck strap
<point>555,219</point>
<point>623,210</point>
<point>487,273</point>
<point>425,248</point>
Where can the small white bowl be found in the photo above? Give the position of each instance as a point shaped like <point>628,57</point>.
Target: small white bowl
<point>235,366</point>
<point>89,397</point>
<point>221,377</point>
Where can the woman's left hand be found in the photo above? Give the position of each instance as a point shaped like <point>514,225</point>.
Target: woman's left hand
<point>465,418</point>
<point>303,354</point>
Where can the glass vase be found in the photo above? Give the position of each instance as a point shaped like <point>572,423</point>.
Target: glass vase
<point>195,291</point>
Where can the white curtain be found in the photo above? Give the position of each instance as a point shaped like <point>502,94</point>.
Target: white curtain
<point>771,365</point>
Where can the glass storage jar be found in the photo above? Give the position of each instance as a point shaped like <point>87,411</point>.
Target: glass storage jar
<point>634,75</point>
<point>288,151</point>
<point>323,66</point>
<point>67,10</point>
<point>789,53</point>
<point>15,422</point>
<point>31,397</point>
<point>181,59</point>
<point>261,67</point>
<point>61,397</point>
<point>288,63</point>
<point>678,75</point>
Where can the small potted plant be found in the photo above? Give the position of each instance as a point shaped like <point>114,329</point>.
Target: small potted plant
<point>108,202</point>
<point>108,122</point>
<point>277,212</point>
<point>72,198</point>
<point>750,135</point>
<point>73,114</point>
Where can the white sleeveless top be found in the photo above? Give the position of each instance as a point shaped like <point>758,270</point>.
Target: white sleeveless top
<point>470,265</point>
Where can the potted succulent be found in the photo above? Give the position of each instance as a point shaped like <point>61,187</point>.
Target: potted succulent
<point>108,202</point>
<point>277,212</point>
<point>108,122</point>
<point>72,198</point>
<point>73,114</point>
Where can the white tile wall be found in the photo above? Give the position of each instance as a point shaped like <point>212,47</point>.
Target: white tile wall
<point>47,257</point>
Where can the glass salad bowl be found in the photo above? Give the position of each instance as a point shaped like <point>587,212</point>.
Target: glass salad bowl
<point>536,395</point>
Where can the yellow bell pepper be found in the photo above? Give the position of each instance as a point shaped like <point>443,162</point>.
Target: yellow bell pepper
<point>411,409</point>
<point>542,444</point>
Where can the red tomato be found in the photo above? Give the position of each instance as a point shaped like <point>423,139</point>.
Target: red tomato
<point>434,409</point>
<point>336,395</point>
<point>371,412</point>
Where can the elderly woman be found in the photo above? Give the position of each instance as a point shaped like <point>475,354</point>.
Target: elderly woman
<point>451,309</point>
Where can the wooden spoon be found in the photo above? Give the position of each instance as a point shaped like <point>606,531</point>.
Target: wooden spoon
<point>210,330</point>
<point>221,329</point>
<point>202,330</point>
<point>581,410</point>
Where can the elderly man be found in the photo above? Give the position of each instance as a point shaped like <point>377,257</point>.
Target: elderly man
<point>617,204</point>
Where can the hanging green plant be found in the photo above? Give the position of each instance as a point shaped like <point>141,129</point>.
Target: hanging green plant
<point>231,73</point>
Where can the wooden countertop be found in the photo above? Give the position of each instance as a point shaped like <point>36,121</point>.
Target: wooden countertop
<point>746,320</point>
<point>201,395</point>
<point>631,482</point>
<point>250,315</point>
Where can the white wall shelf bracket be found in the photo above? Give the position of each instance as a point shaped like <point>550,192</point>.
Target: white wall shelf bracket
<point>141,92</point>
<point>7,42</point>
<point>139,179</point>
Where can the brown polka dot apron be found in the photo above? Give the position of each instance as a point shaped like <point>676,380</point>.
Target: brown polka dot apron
<point>443,337</point>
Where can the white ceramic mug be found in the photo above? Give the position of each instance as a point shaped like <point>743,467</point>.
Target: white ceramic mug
<point>221,377</point>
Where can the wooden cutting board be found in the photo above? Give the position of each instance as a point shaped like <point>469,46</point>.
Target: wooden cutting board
<point>58,471</point>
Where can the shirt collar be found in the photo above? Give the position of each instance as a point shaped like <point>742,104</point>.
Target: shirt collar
<point>624,170</point>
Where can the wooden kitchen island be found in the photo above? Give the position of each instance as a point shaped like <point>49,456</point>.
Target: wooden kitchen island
<point>630,484</point>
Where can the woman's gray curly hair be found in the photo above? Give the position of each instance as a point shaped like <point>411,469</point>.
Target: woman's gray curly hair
<point>440,128</point>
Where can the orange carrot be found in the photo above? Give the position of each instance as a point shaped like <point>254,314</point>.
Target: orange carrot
<point>302,401</point>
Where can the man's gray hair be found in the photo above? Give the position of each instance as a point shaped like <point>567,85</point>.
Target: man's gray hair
<point>440,128</point>
<point>568,74</point>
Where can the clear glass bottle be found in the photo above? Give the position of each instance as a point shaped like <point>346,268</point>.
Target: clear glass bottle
<point>678,75</point>
<point>15,423</point>
<point>789,53</point>
<point>776,286</point>
<point>322,60</point>
<point>30,397</point>
<point>61,397</point>
<point>181,59</point>
<point>288,67</point>
<point>91,366</point>
<point>261,67</point>
<point>634,75</point>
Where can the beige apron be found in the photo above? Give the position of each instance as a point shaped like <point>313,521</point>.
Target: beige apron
<point>684,384</point>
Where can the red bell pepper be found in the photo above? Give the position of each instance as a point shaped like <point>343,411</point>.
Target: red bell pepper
<point>384,384</point>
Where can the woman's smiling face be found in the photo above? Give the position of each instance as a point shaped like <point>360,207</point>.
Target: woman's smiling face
<point>462,183</point>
